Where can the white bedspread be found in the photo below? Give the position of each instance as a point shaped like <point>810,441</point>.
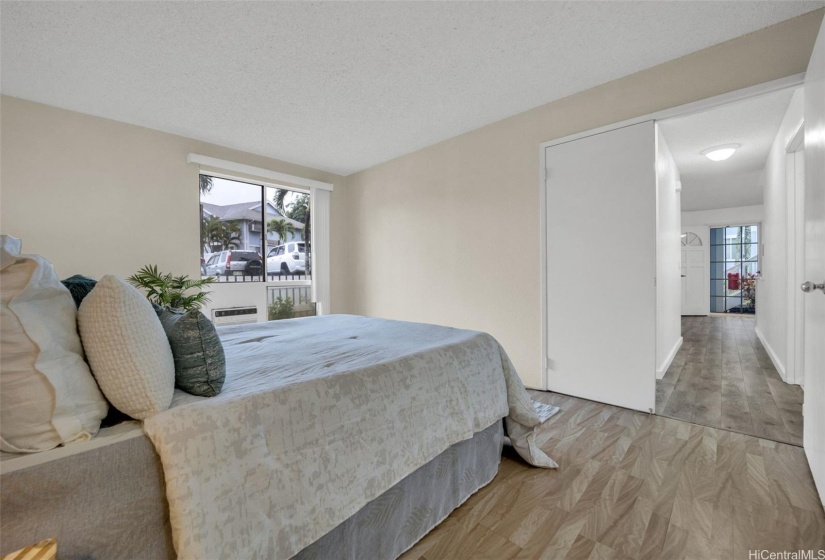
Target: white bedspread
<point>318,417</point>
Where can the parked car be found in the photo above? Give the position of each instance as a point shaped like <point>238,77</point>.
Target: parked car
<point>234,263</point>
<point>206,254</point>
<point>289,258</point>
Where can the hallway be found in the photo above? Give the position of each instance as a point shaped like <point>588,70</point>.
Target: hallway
<point>722,377</point>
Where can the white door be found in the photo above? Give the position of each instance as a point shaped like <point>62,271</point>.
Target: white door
<point>601,267</point>
<point>814,363</point>
<point>695,273</point>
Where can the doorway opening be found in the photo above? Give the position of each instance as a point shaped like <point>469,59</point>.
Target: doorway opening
<point>737,254</point>
<point>716,369</point>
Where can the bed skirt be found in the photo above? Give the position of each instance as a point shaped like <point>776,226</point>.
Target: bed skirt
<point>401,516</point>
<point>110,502</point>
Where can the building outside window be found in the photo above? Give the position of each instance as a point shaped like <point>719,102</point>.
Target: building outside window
<point>258,233</point>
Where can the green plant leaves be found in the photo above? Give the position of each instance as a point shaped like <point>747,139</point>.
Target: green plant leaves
<point>281,308</point>
<point>171,291</point>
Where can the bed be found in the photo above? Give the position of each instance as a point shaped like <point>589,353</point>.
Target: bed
<point>336,433</point>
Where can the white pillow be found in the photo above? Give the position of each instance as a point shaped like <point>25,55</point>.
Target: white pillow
<point>48,396</point>
<point>127,348</point>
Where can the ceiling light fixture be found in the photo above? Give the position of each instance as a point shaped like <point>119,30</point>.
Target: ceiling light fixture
<point>720,153</point>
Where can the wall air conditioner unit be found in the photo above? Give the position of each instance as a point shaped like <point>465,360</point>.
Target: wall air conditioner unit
<point>235,315</point>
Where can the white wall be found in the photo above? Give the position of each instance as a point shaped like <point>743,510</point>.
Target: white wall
<point>96,197</point>
<point>740,215</point>
<point>772,288</point>
<point>668,258</point>
<point>795,190</point>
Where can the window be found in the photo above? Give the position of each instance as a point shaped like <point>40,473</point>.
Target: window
<point>734,262</point>
<point>244,221</point>
<point>279,214</point>
<point>690,239</point>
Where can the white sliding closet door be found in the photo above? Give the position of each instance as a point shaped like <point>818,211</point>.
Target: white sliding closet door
<point>601,267</point>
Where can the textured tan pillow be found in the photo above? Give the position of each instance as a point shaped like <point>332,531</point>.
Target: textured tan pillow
<point>127,348</point>
<point>48,396</point>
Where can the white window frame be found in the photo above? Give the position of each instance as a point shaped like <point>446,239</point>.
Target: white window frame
<point>318,192</point>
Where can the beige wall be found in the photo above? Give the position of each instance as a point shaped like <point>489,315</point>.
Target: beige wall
<point>450,234</point>
<point>96,196</point>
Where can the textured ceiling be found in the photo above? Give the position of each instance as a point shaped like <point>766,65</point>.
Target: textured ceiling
<point>342,86</point>
<point>733,182</point>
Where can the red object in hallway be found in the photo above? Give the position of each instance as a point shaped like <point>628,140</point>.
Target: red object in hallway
<point>733,281</point>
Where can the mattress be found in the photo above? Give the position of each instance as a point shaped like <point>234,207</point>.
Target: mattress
<point>10,462</point>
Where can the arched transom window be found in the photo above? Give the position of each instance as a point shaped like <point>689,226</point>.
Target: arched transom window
<point>690,239</point>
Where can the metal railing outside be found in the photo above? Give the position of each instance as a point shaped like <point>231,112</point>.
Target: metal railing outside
<point>273,277</point>
<point>289,302</point>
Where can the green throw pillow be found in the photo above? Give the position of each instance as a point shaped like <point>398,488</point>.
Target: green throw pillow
<point>200,364</point>
<point>79,286</point>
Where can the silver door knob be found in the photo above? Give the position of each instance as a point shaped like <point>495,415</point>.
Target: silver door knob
<point>810,287</point>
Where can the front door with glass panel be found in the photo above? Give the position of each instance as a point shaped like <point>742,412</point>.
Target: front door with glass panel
<point>734,268</point>
<point>695,271</point>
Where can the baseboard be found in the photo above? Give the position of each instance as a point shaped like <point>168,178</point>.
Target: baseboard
<point>660,373</point>
<point>780,367</point>
<point>816,462</point>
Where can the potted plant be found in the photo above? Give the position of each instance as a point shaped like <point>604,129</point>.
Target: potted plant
<point>749,290</point>
<point>177,292</point>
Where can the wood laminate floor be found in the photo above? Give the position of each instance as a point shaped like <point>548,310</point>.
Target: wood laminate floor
<point>633,485</point>
<point>722,377</point>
